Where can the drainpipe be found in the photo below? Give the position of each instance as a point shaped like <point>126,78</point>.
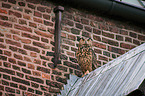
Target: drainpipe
<point>113,7</point>
<point>57,35</point>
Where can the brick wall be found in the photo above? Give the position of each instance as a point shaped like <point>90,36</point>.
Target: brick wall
<point>27,45</point>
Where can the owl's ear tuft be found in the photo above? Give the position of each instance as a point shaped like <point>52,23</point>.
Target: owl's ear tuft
<point>79,39</point>
<point>89,39</point>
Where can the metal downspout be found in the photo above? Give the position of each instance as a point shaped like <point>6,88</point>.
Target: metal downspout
<point>57,35</point>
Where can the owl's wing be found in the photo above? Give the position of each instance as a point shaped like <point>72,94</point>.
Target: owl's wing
<point>94,60</point>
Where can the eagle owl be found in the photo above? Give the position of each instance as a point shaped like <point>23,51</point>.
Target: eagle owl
<point>86,56</point>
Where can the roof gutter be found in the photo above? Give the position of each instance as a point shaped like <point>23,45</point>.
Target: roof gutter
<point>113,7</point>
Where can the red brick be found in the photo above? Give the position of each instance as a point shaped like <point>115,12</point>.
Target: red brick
<point>87,28</point>
<point>37,61</point>
<point>2,46</point>
<point>3,11</point>
<point>26,71</point>
<point>99,45</point>
<point>26,41</point>
<point>54,90</point>
<point>12,1</point>
<point>78,25</point>
<point>38,80</point>
<point>100,19</point>
<point>97,51</point>
<point>93,24</point>
<point>54,84</point>
<point>67,22</point>
<point>8,53</point>
<point>27,59</point>
<point>28,11</point>
<point>45,58</point>
<point>48,23</point>
<point>13,43</point>
<point>31,66</point>
<point>118,37</point>
<point>128,39</point>
<point>96,38</point>
<point>42,45</point>
<point>111,42</point>
<point>68,42</point>
<point>21,21</point>
<point>43,34</point>
<point>26,17</point>
<point>45,16</point>
<point>133,34</point>
<point>114,29</point>
<point>1,34</point>
<point>103,58</point>
<point>21,81</point>
<point>48,10</point>
<point>103,26</point>
<point>72,37</point>
<point>21,3</point>
<point>15,14</point>
<point>41,9</point>
<point>44,40</point>
<point>141,37</point>
<point>15,37</point>
<point>3,17</point>
<point>116,50</point>
<point>63,35</point>
<point>33,54</point>
<point>38,14</point>
<point>136,42</point>
<point>13,19</point>
<point>85,21</point>
<point>67,29</point>
<point>7,71</point>
<point>8,35</point>
<point>123,32</point>
<point>36,73</point>
<point>5,24</point>
<point>31,6</point>
<point>1,40</point>
<point>107,34</point>
<point>31,48</point>
<point>38,20</point>
<point>127,46</point>
<point>42,27</point>
<point>6,64</point>
<point>96,31</point>
<point>32,24</point>
<point>77,19</point>
<point>34,1</point>
<point>6,5</point>
<point>30,36</point>
<point>16,67</point>
<point>18,56</point>
<point>10,90</point>
<point>12,60</point>
<point>20,74</point>
<point>21,63</point>
<point>23,28</point>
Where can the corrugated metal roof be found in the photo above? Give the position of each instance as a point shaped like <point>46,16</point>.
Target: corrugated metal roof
<point>117,78</point>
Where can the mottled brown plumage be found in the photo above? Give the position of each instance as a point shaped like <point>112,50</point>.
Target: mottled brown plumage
<point>86,56</point>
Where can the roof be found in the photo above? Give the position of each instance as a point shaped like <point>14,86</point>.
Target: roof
<point>118,77</point>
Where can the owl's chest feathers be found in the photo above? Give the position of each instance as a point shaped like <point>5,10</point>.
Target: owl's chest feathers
<point>84,55</point>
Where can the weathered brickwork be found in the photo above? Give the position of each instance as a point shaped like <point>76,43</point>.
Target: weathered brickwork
<point>27,45</point>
